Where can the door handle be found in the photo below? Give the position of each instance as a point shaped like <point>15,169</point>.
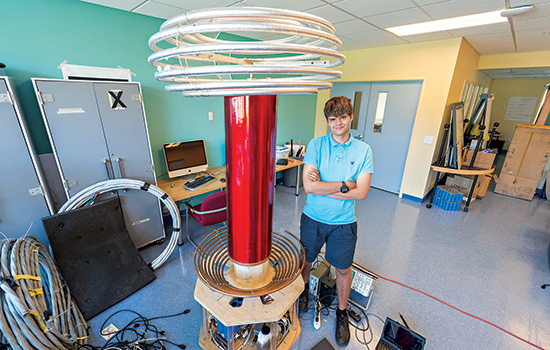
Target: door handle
<point>118,161</point>
<point>105,161</point>
<point>359,137</point>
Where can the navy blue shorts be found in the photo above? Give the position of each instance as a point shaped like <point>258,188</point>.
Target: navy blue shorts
<point>340,240</point>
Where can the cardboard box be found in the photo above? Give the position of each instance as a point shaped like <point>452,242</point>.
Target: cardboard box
<point>525,161</point>
<point>463,184</point>
<point>483,160</point>
<point>484,181</point>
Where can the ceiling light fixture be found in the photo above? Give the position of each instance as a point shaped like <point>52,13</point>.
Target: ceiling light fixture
<point>460,22</point>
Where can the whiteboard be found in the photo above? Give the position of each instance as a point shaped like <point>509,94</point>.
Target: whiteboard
<point>521,108</point>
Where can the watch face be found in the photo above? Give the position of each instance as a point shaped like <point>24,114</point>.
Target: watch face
<point>344,188</point>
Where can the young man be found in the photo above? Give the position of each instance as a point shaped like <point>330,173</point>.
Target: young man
<point>337,171</point>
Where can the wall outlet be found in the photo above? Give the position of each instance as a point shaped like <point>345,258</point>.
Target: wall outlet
<point>210,115</point>
<point>35,191</point>
<point>428,139</point>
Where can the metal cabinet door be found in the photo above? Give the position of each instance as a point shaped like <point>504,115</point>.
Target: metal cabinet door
<point>125,131</point>
<point>76,135</point>
<point>21,200</point>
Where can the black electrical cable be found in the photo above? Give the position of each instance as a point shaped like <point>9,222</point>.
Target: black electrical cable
<point>363,326</point>
<point>139,333</point>
<point>185,312</point>
<point>358,328</point>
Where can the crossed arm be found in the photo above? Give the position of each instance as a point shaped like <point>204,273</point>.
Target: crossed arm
<point>314,185</point>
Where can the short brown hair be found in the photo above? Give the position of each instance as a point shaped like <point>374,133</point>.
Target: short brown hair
<point>338,106</point>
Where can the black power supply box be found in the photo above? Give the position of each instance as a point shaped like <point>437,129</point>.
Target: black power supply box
<point>327,292</point>
<point>354,316</point>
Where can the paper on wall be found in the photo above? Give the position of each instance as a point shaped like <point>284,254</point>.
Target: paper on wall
<point>520,108</point>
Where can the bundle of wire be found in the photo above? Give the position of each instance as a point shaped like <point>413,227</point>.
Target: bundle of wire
<point>88,194</point>
<point>138,334</point>
<point>36,308</point>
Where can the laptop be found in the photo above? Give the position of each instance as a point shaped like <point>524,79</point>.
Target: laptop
<point>398,337</point>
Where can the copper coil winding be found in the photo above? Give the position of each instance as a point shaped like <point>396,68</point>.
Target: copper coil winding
<point>212,259</point>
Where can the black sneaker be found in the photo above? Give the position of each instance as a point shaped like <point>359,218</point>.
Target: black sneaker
<point>304,299</point>
<point>342,327</point>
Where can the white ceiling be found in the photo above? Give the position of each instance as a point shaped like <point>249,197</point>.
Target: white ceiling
<point>360,23</point>
<point>518,73</point>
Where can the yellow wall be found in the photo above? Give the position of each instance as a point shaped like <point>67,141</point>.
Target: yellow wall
<point>515,60</point>
<point>320,123</point>
<point>431,62</point>
<point>506,88</point>
<point>465,72</point>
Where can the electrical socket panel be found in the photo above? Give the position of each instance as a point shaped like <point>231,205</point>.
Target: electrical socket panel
<point>317,275</point>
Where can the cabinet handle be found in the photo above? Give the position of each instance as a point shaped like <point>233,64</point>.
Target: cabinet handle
<point>118,161</point>
<point>105,161</point>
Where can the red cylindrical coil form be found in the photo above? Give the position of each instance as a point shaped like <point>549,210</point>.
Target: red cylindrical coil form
<point>250,135</point>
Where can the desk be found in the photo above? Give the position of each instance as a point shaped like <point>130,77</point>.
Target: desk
<point>178,193</point>
<point>475,172</point>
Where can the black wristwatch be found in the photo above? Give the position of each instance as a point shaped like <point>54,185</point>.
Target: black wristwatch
<point>344,188</point>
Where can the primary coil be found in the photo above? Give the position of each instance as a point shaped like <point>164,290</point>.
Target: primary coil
<point>211,260</point>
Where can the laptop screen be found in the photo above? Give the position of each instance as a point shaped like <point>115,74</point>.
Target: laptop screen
<point>401,336</point>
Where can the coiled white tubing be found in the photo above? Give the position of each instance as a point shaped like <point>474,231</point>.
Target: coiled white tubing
<point>82,197</point>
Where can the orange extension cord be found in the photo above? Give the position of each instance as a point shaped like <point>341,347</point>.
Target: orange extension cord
<point>453,307</point>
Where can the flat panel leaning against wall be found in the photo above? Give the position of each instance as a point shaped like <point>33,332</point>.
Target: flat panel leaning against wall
<point>24,197</point>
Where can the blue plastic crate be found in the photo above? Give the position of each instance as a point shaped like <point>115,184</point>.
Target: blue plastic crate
<point>449,194</point>
<point>445,205</point>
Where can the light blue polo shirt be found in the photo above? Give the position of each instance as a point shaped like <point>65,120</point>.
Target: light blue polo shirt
<point>336,162</point>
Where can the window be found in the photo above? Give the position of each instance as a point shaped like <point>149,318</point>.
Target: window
<point>470,97</point>
<point>380,110</point>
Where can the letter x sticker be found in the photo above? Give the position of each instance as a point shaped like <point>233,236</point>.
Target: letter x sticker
<point>117,102</point>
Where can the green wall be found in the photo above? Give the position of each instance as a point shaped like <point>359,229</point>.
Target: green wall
<point>38,35</point>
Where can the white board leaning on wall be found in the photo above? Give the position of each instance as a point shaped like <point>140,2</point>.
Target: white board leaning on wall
<point>520,109</point>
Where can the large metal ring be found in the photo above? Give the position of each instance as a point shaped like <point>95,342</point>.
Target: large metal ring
<point>270,51</point>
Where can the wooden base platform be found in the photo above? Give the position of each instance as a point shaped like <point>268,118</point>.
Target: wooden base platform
<point>252,311</point>
<point>286,344</point>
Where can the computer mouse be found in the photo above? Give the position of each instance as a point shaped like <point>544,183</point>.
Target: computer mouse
<point>222,179</point>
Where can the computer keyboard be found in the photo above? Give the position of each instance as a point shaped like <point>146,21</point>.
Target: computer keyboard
<point>199,182</point>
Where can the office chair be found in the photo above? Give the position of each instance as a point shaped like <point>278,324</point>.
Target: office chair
<point>213,210</point>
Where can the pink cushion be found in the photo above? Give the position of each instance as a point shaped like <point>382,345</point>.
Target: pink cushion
<point>214,201</point>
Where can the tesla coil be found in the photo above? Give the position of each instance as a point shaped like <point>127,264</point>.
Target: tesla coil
<point>247,274</point>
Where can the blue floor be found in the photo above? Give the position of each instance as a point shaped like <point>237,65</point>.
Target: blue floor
<point>489,262</point>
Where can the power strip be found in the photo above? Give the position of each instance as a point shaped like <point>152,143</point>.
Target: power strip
<point>317,318</point>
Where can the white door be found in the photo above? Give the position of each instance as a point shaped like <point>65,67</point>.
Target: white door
<point>384,113</point>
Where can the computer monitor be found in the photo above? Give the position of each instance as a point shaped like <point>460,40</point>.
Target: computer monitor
<point>186,157</point>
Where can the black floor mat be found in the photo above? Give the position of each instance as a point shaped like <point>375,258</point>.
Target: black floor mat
<point>96,256</point>
<point>323,345</point>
